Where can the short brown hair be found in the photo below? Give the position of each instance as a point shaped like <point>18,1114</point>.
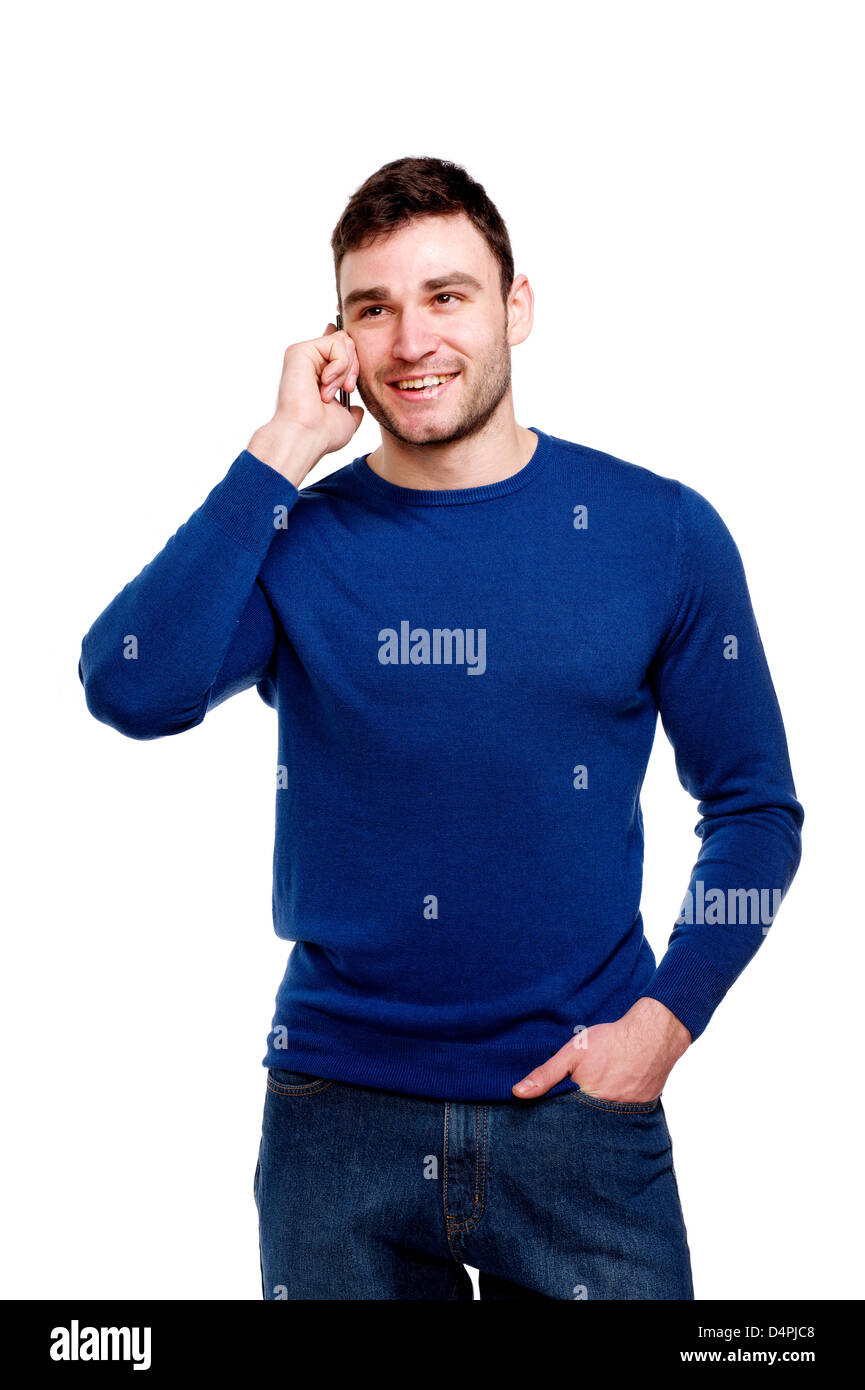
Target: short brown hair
<point>407,188</point>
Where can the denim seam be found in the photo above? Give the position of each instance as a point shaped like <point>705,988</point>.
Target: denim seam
<point>479,1184</point>
<point>445,1182</point>
<point>310,1090</point>
<point>453,1226</point>
<point>615,1107</point>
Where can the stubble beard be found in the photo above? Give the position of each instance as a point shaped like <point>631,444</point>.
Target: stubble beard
<point>477,406</point>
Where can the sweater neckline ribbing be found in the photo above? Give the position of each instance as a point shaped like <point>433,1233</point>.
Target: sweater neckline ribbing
<point>445,497</point>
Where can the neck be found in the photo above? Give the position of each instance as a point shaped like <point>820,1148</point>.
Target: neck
<point>499,450</point>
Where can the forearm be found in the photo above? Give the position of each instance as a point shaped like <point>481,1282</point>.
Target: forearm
<point>744,869</point>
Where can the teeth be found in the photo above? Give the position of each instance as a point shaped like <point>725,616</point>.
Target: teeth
<point>416,382</point>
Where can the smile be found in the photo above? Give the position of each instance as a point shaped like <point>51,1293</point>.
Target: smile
<point>418,391</point>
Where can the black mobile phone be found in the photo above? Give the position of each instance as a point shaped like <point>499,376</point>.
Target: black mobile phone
<point>343,397</point>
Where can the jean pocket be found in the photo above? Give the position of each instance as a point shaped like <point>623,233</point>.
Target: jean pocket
<point>295,1083</point>
<point>622,1107</point>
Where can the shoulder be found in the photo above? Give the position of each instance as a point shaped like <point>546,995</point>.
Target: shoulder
<point>615,474</point>
<point>692,510</point>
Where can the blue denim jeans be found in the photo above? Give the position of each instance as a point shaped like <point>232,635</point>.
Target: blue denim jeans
<point>364,1194</point>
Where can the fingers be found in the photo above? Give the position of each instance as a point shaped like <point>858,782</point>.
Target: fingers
<point>551,1072</point>
<point>337,377</point>
<point>539,1081</point>
<point>343,369</point>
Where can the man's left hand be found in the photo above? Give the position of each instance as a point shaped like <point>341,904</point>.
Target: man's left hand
<point>629,1060</point>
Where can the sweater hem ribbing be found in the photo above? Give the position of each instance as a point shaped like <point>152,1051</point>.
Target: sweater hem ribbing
<point>427,1069</point>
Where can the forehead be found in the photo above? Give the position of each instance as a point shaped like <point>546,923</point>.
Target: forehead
<point>425,247</point>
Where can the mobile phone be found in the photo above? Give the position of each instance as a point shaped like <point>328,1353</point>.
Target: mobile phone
<point>343,396</point>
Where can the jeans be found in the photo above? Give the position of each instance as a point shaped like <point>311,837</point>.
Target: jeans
<point>365,1194</point>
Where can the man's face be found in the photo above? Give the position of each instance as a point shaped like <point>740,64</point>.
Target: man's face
<point>405,329</point>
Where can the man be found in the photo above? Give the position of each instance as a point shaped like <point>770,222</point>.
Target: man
<point>468,635</point>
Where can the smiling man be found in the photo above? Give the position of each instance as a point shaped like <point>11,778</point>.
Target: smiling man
<point>472,1035</point>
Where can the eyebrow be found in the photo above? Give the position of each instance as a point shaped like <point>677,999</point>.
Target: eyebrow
<point>439,282</point>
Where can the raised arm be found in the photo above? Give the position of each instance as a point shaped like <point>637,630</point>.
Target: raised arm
<point>194,626</point>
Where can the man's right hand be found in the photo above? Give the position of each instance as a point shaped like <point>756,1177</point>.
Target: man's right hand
<point>309,421</point>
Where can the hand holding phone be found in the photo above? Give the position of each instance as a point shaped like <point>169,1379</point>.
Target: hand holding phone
<point>304,426</point>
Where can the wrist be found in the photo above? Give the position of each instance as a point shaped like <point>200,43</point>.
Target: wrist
<point>290,449</point>
<point>662,1020</point>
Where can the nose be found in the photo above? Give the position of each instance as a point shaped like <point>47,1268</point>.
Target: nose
<point>414,340</point>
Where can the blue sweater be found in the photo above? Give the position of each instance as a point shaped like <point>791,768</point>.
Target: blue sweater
<point>467,685</point>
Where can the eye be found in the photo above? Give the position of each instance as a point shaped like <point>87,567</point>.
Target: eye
<point>445,294</point>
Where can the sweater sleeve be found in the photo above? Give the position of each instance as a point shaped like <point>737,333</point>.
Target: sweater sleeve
<point>194,626</point>
<point>719,711</point>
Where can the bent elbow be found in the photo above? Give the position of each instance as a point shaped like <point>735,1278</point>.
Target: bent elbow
<point>136,719</point>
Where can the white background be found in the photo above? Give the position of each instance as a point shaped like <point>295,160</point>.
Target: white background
<point>681,184</point>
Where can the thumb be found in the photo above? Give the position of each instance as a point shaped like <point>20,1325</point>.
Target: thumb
<point>357,413</point>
